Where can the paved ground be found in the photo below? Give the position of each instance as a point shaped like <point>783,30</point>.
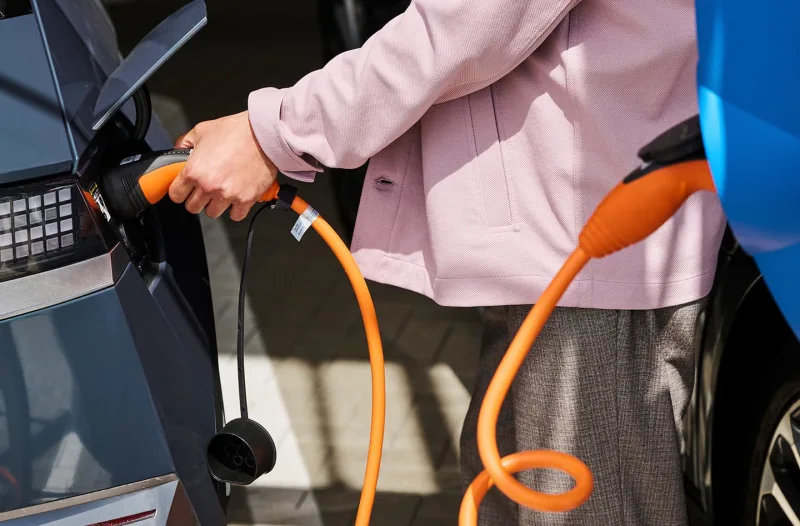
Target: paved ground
<point>308,372</point>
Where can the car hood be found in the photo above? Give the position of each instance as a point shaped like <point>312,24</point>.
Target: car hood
<point>60,83</point>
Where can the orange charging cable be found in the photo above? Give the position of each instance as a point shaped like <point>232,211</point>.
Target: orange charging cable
<point>372,330</point>
<point>376,427</point>
<point>633,210</point>
<point>155,185</point>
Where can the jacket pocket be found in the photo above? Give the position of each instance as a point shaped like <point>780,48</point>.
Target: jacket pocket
<point>489,158</point>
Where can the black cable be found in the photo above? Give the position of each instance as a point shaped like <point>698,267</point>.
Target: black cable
<point>144,112</point>
<point>240,324</point>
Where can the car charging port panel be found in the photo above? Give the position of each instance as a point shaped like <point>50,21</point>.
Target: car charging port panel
<point>138,235</point>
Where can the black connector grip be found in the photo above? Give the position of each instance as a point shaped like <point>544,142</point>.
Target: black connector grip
<point>120,186</point>
<point>683,142</point>
<point>286,195</point>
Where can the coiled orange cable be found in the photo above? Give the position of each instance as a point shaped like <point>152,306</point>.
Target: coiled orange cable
<point>499,471</point>
<point>629,213</point>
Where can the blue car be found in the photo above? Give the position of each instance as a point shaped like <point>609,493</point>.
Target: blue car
<point>109,388</point>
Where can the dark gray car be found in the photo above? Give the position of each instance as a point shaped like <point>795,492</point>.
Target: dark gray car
<point>109,389</point>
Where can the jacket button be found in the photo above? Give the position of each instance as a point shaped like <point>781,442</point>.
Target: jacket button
<point>383,183</point>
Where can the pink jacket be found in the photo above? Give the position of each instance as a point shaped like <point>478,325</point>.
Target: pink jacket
<point>494,128</point>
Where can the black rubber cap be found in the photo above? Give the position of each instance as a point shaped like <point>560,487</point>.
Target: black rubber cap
<point>679,143</point>
<point>241,452</point>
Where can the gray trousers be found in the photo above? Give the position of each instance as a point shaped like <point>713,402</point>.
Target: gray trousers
<point>609,387</point>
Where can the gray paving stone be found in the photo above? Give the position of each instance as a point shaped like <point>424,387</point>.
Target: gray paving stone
<point>443,507</point>
<point>422,338</point>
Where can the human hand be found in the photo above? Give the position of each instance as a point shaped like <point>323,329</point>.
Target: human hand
<point>226,168</point>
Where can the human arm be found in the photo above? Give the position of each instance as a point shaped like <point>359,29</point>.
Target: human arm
<point>362,100</point>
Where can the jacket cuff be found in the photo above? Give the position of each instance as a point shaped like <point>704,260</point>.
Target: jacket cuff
<point>264,110</point>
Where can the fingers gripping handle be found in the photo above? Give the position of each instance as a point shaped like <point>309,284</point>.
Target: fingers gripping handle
<point>139,182</point>
<point>154,183</point>
<point>143,180</point>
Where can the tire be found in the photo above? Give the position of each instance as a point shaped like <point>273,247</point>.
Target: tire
<point>755,443</point>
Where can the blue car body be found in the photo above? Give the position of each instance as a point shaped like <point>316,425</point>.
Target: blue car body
<point>748,84</point>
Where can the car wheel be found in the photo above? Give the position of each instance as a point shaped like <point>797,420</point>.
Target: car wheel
<point>777,501</point>
<point>756,462</point>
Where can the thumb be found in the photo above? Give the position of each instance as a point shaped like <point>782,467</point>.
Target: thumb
<point>181,187</point>
<point>187,140</point>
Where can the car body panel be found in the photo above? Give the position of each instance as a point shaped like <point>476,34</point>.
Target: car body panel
<point>111,381</point>
<point>159,501</point>
<point>37,143</point>
<point>155,49</point>
<point>180,367</point>
<point>117,391</point>
<point>93,25</point>
<point>751,130</point>
<point>736,277</point>
<point>78,76</point>
<point>740,304</point>
<point>53,93</point>
<point>92,423</point>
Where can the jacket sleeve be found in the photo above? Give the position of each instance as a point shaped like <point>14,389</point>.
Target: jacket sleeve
<point>364,99</point>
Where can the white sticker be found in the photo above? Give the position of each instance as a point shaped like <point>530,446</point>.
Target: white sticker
<point>95,193</point>
<point>130,159</point>
<point>303,222</point>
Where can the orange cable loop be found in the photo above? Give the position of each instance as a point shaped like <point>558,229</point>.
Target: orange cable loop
<point>499,471</point>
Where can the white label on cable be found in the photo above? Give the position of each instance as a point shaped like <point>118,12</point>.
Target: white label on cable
<point>130,159</point>
<point>303,222</point>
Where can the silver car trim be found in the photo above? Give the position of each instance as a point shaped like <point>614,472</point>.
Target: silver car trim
<point>88,497</point>
<point>45,289</point>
